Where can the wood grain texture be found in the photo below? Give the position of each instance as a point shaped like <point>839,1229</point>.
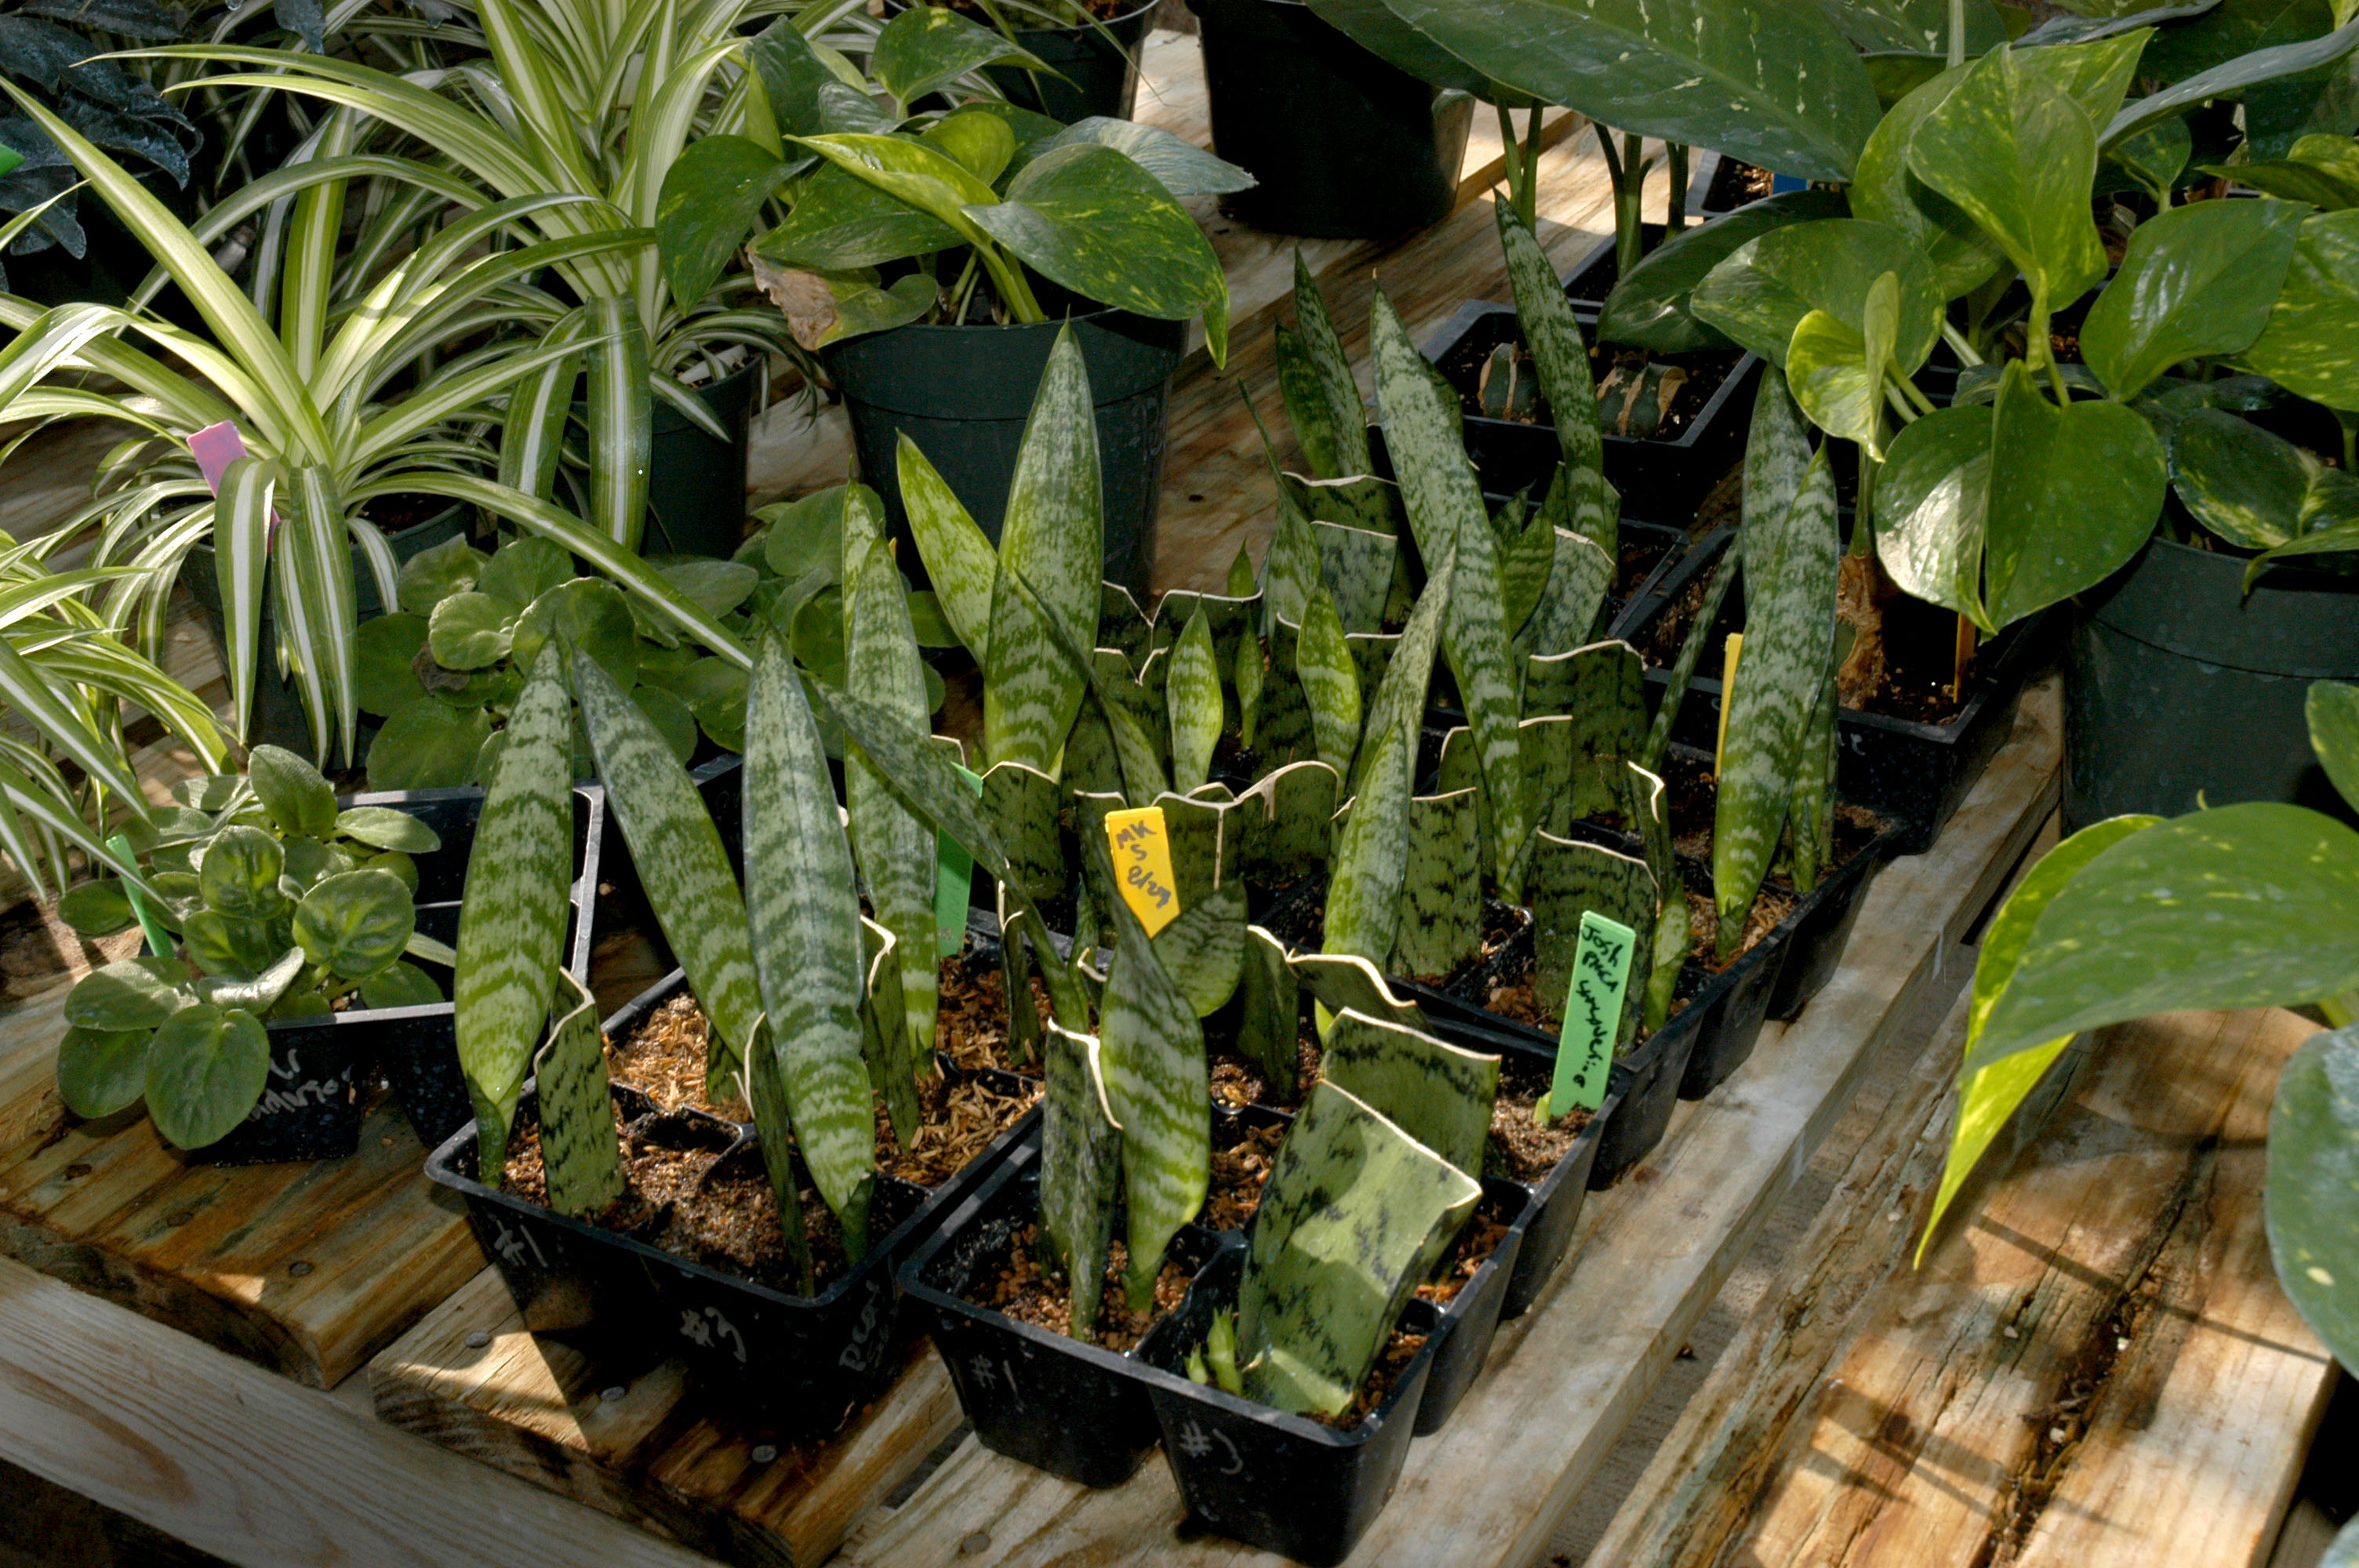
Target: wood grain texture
<point>2096,1367</point>
<point>1564,1380</point>
<point>539,1411</point>
<point>244,1465</point>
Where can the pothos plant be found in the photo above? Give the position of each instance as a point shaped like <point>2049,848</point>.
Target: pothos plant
<point>2247,905</point>
<point>962,207</point>
<point>284,907</point>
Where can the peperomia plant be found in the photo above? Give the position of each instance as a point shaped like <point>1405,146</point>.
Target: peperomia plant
<point>284,906</point>
<point>2246,905</point>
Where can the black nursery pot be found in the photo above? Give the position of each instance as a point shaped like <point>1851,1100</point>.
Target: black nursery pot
<point>962,395</point>
<point>1343,146</point>
<point>1466,1326</point>
<point>1272,1480</point>
<point>277,718</point>
<point>2178,685</point>
<point>1099,66</point>
<point>1658,478</point>
<point>311,1105</point>
<point>1060,1405</point>
<point>1913,774</point>
<point>1553,1206</point>
<point>696,484</point>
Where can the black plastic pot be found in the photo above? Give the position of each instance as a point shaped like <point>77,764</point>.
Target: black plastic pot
<point>1664,480</point>
<point>1067,1406</point>
<point>1467,1323</point>
<point>2178,685</point>
<point>962,395</point>
<point>278,717</point>
<point>1912,774</point>
<point>1099,69</point>
<point>311,1105</point>
<point>1272,1480</point>
<point>1821,929</point>
<point>1343,145</point>
<point>1554,1204</point>
<point>696,485</point>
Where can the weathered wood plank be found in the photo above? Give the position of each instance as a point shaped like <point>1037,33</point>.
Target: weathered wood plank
<point>2096,1368</point>
<point>469,1378</point>
<point>248,1466</point>
<point>1565,1379</point>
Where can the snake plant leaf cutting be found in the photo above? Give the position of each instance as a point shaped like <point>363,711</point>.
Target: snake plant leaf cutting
<point>1081,1169</point>
<point>1440,919</point>
<point>1330,683</point>
<point>1445,509</point>
<point>1152,1057</point>
<point>1789,558</point>
<point>1438,1093</point>
<point>1192,697</point>
<point>512,924</point>
<point>1371,852</point>
<point>803,910</point>
<point>1777,85</point>
<point>677,851</point>
<point>578,1147</point>
<point>1579,499</point>
<point>1569,879</point>
<point>1356,1212</point>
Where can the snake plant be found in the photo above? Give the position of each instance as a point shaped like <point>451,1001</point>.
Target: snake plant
<point>283,906</point>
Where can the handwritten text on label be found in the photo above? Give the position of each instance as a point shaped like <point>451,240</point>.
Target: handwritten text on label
<point>1142,865</point>
<point>1593,1013</point>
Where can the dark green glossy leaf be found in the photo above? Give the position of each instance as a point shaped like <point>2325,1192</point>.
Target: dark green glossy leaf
<point>356,923</point>
<point>1761,294</point>
<point>99,908</point>
<point>2313,1169</point>
<point>100,1071</point>
<point>384,664</point>
<point>1650,308</point>
<point>1181,168</point>
<point>2198,280</point>
<point>2310,345</point>
<point>1963,256</point>
<point>298,799</point>
<point>2252,487</point>
<point>385,828</point>
<point>2332,709</point>
<point>428,745</point>
<point>712,194</point>
<point>403,985</point>
<point>2241,74</point>
<point>840,223</point>
<point>927,47</point>
<point>132,993</point>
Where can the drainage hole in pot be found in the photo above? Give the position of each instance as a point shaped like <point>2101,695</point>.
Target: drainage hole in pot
<point>1015,1286</point>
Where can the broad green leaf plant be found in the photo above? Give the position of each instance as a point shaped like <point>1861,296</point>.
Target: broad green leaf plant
<point>2246,905</point>
<point>901,213</point>
<point>283,906</point>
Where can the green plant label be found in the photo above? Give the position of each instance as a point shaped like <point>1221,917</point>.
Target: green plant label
<point>1141,843</point>
<point>954,881</point>
<point>1593,1014</point>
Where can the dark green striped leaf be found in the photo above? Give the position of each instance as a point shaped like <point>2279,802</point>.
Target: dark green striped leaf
<point>885,1044</point>
<point>1204,947</point>
<point>1153,1059</point>
<point>512,925</point>
<point>1566,613</point>
<point>1789,597</point>
<point>1372,853</point>
<point>1330,686</point>
<point>1440,1095</point>
<point>1356,1213</point>
<point>577,1144</point>
<point>1323,401</point>
<point>1081,1169</point>
<point>1192,694</point>
<point>1269,1014</point>
<point>1345,980</point>
<point>1356,565</point>
<point>1569,878</point>
<point>803,913</point>
<point>1560,356</point>
<point>768,1095</point>
<point>1440,924</point>
<point>677,852</point>
<point>1602,688</point>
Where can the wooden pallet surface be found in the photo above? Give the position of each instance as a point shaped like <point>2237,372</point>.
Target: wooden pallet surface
<point>1563,1380</point>
<point>2093,1366</point>
<point>632,1442</point>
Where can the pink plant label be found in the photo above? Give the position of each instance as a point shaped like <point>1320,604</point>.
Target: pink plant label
<point>215,448</point>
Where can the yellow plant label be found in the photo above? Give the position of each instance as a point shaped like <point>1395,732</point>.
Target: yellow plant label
<point>1142,865</point>
<point>1730,654</point>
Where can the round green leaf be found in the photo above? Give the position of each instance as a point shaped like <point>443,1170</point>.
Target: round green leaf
<point>296,796</point>
<point>308,859</point>
<point>2310,345</point>
<point>718,586</point>
<point>239,873</point>
<point>523,569</point>
<point>1963,256</point>
<point>98,908</point>
<point>671,717</point>
<point>386,663</point>
<point>100,1071</point>
<point>400,864</point>
<point>1765,288</point>
<point>428,745</point>
<point>301,1004</point>
<point>135,993</point>
<point>819,636</point>
<point>206,1068</point>
<point>356,923</point>
<point>403,985</point>
<point>594,615</point>
<point>2196,280</point>
<point>471,631</point>
<point>487,761</point>
<point>2333,710</point>
<point>230,948</point>
<point>806,536</point>
<point>183,896</point>
<point>434,575</point>
<point>213,792</point>
<point>382,827</point>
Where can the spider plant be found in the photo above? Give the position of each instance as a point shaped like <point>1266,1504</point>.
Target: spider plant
<point>581,108</point>
<point>307,402</point>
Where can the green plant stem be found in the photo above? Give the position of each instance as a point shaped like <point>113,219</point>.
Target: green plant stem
<point>1968,355</point>
<point>2042,353</point>
<point>1675,204</point>
<point>1915,395</point>
<point>1512,157</point>
<point>962,291</point>
<point>1008,276</point>
<point>1863,526</point>
<point>2350,423</point>
<point>1957,32</point>
<point>1529,208</point>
